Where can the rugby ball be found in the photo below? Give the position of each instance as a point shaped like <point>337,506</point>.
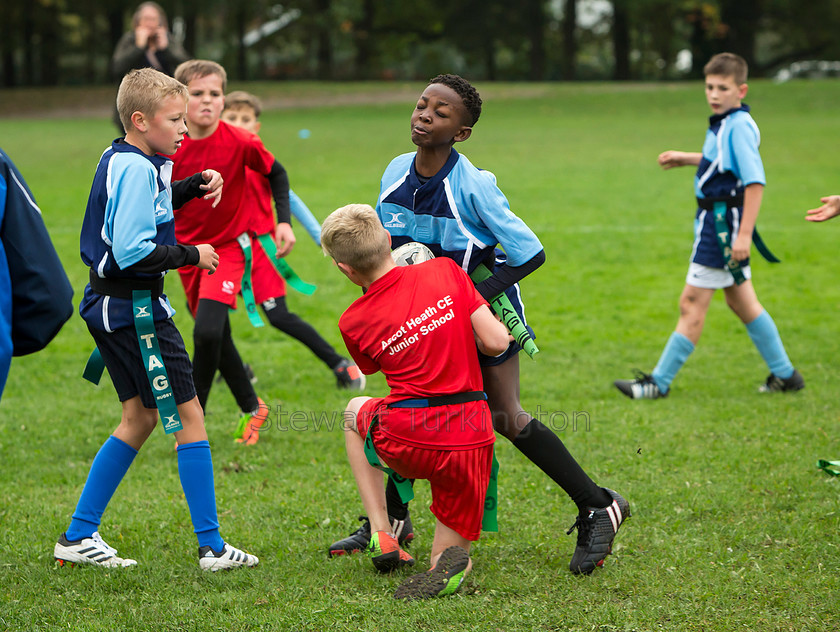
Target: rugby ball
<point>411,253</point>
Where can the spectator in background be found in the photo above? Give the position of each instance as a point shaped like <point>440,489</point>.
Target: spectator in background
<point>148,44</point>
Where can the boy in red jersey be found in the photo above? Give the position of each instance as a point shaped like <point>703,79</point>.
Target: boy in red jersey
<point>229,150</point>
<point>230,228</point>
<point>242,110</point>
<point>419,325</point>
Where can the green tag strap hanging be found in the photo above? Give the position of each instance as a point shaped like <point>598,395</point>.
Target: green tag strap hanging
<point>284,268</point>
<point>403,486</point>
<point>490,520</point>
<point>247,289</point>
<point>95,367</point>
<point>144,324</point>
<point>724,241</point>
<point>829,467</point>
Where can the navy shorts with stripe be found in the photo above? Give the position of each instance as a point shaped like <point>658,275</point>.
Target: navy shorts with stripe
<point>121,353</point>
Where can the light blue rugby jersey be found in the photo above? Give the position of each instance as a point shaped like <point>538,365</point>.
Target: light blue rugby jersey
<point>730,162</point>
<point>459,213</point>
<point>129,211</point>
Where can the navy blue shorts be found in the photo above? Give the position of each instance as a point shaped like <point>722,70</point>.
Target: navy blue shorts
<point>514,348</point>
<point>121,353</point>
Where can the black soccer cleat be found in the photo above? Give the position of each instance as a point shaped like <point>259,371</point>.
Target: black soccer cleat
<point>643,387</point>
<point>596,531</point>
<point>775,384</point>
<point>359,540</point>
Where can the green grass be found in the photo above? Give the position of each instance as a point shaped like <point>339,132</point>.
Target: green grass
<point>733,527</point>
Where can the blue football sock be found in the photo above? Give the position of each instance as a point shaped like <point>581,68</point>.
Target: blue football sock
<point>106,472</point>
<point>195,466</point>
<point>676,352</point>
<point>765,337</point>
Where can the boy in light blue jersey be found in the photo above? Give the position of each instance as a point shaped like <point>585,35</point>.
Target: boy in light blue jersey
<point>435,196</point>
<point>128,242</point>
<point>729,185</point>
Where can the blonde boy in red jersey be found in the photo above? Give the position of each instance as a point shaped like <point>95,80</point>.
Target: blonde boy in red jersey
<point>419,325</point>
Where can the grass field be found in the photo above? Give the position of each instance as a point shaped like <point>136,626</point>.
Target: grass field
<point>733,529</point>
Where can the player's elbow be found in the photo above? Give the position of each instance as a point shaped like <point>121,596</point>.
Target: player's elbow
<point>497,342</point>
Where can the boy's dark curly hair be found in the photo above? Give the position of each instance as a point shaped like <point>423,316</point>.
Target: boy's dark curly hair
<point>468,94</point>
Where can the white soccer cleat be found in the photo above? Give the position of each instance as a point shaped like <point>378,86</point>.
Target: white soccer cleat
<point>229,557</point>
<point>92,550</point>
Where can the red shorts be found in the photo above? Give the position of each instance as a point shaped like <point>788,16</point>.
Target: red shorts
<point>458,478</point>
<point>226,282</point>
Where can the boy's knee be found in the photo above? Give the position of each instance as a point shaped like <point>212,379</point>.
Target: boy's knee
<point>355,404</point>
<point>144,419</point>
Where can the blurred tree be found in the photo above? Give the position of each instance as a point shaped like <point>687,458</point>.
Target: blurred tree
<point>570,41</point>
<point>621,39</point>
<point>740,21</point>
<point>69,41</point>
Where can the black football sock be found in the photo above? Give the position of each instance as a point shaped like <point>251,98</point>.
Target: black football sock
<point>210,321</point>
<point>548,453</point>
<point>232,370</point>
<point>212,341</point>
<point>396,507</point>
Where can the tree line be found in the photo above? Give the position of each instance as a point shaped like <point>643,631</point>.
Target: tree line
<point>61,42</point>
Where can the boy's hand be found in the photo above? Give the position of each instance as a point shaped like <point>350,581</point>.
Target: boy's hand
<point>284,237</point>
<point>829,209</point>
<point>741,247</point>
<point>161,39</point>
<point>213,184</point>
<point>207,258</point>
<point>141,37</point>
<point>670,159</point>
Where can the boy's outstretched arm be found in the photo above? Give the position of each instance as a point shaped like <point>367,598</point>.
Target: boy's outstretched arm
<point>752,203</point>
<point>165,257</point>
<point>669,159</point>
<point>491,336</point>
<point>829,209</point>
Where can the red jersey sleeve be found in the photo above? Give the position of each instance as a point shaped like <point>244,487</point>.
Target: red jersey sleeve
<point>257,157</point>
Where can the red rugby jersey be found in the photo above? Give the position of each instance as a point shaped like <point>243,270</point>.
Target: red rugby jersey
<point>230,151</point>
<point>413,324</point>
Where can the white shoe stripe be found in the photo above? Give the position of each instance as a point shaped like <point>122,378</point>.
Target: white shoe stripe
<point>614,512</point>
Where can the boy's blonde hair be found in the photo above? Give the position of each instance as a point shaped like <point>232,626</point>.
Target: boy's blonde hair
<point>238,98</point>
<point>198,68</point>
<point>143,90</point>
<point>354,235</point>
<point>727,65</point>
